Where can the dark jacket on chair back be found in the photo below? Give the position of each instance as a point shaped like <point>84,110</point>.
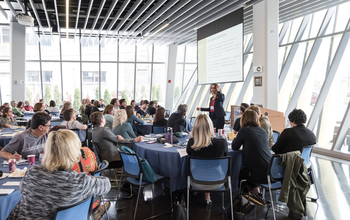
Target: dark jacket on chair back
<point>177,122</point>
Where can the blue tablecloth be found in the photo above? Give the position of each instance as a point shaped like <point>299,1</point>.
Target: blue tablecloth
<point>167,162</point>
<point>7,203</point>
<point>6,139</point>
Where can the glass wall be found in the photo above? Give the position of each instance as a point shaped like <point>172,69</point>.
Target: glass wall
<point>75,68</point>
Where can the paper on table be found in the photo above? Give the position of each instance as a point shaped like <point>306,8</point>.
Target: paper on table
<point>21,161</point>
<point>6,191</point>
<point>182,152</point>
<point>167,145</point>
<point>11,183</point>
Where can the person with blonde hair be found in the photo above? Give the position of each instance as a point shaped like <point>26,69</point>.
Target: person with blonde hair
<point>52,185</point>
<point>256,152</point>
<point>203,143</point>
<point>121,126</point>
<point>264,123</point>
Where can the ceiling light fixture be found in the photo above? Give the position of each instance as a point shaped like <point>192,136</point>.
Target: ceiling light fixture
<point>67,17</point>
<point>164,26</point>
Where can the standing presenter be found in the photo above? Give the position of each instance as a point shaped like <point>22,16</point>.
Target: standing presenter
<point>216,109</point>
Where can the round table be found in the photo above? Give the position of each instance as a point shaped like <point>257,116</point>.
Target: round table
<point>168,162</point>
<point>7,134</point>
<point>145,128</point>
<point>8,202</point>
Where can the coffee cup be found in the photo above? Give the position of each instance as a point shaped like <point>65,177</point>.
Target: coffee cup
<point>31,159</point>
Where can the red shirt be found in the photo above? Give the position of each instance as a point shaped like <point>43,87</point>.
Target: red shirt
<point>28,108</point>
<point>212,105</point>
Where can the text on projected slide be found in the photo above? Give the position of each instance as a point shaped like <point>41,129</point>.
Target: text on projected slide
<point>220,56</point>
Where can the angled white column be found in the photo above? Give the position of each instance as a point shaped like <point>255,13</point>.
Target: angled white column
<point>265,33</point>
<point>17,60</point>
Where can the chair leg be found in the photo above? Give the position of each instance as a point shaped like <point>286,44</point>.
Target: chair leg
<point>273,208</point>
<point>188,198</point>
<point>120,183</point>
<point>223,200</point>
<point>231,202</point>
<point>104,204</point>
<point>264,191</point>
<point>138,196</point>
<point>314,180</point>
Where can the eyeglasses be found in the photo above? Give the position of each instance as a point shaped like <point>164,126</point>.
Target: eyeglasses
<point>49,126</point>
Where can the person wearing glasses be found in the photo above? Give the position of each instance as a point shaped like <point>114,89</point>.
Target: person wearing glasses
<point>7,120</point>
<point>30,141</point>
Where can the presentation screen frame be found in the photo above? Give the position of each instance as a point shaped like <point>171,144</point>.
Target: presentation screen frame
<point>221,24</point>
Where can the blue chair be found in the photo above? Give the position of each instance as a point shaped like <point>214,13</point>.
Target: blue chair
<point>80,211</point>
<point>56,114</point>
<point>56,122</point>
<point>81,134</point>
<point>276,134</point>
<point>104,165</point>
<point>158,129</point>
<point>133,172</point>
<point>228,118</point>
<point>275,174</point>
<point>209,171</point>
<point>306,154</point>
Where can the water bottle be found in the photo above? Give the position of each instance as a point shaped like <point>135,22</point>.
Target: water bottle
<point>169,135</point>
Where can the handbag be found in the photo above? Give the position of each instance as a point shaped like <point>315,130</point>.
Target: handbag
<point>243,208</point>
<point>148,173</point>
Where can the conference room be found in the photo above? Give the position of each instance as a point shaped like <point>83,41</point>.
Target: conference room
<point>185,93</point>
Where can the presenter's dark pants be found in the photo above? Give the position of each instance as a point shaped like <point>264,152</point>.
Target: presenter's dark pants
<point>218,123</point>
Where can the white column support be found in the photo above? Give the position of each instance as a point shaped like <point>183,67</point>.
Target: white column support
<point>265,33</point>
<point>171,76</point>
<point>343,129</point>
<point>17,60</point>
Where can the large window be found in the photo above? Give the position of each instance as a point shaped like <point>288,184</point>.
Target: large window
<point>5,82</point>
<point>71,83</point>
<point>52,82</point>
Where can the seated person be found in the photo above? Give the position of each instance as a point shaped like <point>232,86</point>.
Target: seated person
<point>131,118</point>
<point>102,105</point>
<point>108,113</point>
<point>134,106</point>
<point>296,137</point>
<point>15,110</point>
<point>203,143</point>
<point>39,107</point>
<point>95,107</point>
<point>159,117</point>
<point>30,141</point>
<point>121,126</point>
<point>6,119</point>
<point>65,106</point>
<point>264,123</point>
<point>53,185</point>
<point>143,110</point>
<point>107,142</point>
<point>156,104</point>
<point>84,117</point>
<point>1,109</point>
<point>88,107</point>
<point>256,154</point>
<point>115,103</point>
<point>20,106</point>
<point>151,109</point>
<point>27,106</point>
<point>178,121</point>
<point>237,124</point>
<point>53,107</point>
<point>70,121</point>
<point>122,103</point>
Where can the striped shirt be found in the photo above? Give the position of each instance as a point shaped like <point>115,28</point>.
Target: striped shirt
<point>44,191</point>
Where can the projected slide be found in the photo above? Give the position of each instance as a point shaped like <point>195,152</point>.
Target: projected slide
<point>220,56</point>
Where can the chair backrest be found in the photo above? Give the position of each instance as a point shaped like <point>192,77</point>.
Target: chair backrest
<point>57,114</point>
<point>306,154</point>
<point>228,116</point>
<point>167,113</point>
<point>209,171</point>
<point>276,134</point>
<point>81,134</point>
<point>56,122</point>
<point>96,150</point>
<point>276,171</point>
<point>78,211</point>
<point>158,129</point>
<point>131,164</point>
<point>104,165</point>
